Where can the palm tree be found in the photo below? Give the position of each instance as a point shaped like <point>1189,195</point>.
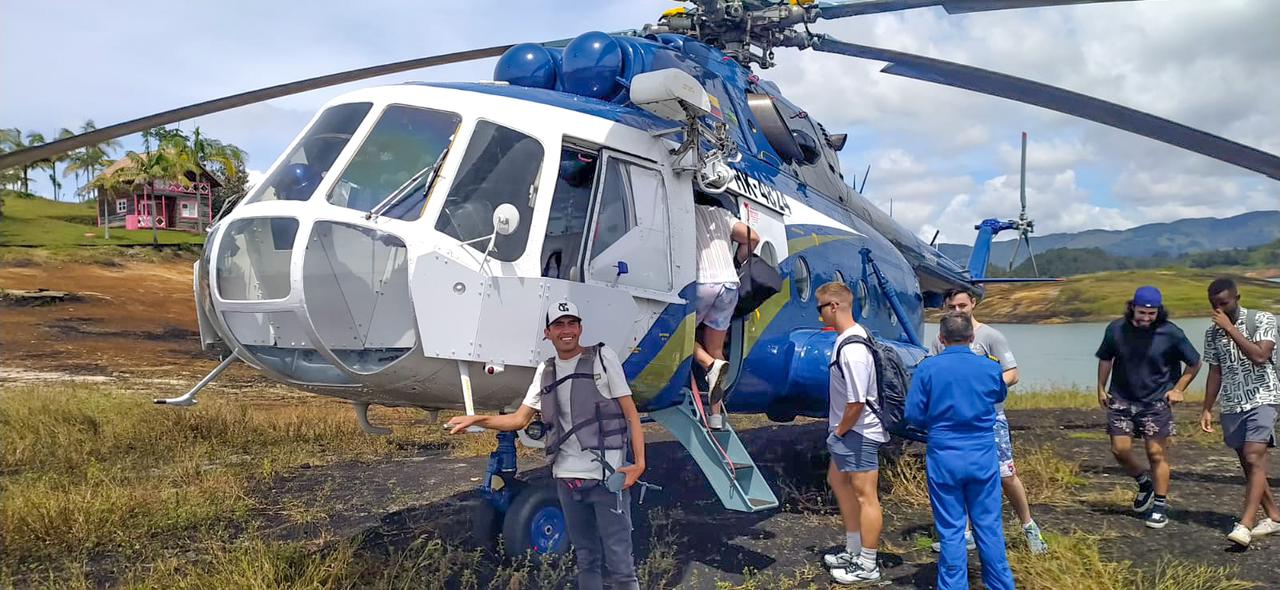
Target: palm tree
<point>224,159</point>
<point>168,161</point>
<point>34,138</point>
<point>9,139</point>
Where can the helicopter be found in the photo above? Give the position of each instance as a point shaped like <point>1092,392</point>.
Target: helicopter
<point>404,248</point>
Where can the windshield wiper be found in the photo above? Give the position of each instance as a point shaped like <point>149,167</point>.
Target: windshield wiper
<point>405,189</point>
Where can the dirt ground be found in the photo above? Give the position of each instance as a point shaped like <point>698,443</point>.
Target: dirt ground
<point>134,325</point>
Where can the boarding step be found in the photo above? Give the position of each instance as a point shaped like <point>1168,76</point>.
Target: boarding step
<point>723,458</point>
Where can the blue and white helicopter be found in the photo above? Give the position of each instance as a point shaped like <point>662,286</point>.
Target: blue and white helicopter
<point>404,248</point>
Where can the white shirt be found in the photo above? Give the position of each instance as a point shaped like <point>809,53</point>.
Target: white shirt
<point>714,239</point>
<point>858,385</point>
<point>572,461</point>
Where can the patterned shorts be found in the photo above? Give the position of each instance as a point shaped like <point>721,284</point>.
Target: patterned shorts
<point>1004,446</point>
<point>1139,419</point>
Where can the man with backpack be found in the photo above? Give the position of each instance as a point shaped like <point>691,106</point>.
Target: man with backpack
<point>1240,348</point>
<point>585,402</point>
<point>854,436</point>
<point>954,395</point>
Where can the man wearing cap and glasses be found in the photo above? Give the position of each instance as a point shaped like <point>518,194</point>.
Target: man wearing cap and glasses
<point>586,404</point>
<point>1150,363</point>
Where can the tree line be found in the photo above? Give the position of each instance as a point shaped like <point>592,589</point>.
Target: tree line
<point>1066,262</point>
<point>84,163</point>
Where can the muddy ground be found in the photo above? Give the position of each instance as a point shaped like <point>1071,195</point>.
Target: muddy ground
<point>134,325</point>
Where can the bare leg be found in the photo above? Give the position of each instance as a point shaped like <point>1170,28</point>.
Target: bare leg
<point>713,342</point>
<point>1159,466</point>
<point>1120,448</point>
<point>846,499</point>
<point>871,519</point>
<point>1017,496</point>
<point>1253,459</point>
<point>701,355</point>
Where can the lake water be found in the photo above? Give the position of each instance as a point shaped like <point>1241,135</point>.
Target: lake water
<point>1061,355</point>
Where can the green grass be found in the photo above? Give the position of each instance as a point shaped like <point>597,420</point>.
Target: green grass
<point>1102,296</point>
<point>35,221</point>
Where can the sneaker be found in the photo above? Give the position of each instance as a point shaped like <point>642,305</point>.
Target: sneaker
<point>969,543</point>
<point>1240,535</point>
<point>1035,540</point>
<point>1265,527</point>
<point>716,373</point>
<point>855,574</point>
<point>843,559</point>
<point>1145,497</point>
<point>716,421</point>
<point>1157,518</point>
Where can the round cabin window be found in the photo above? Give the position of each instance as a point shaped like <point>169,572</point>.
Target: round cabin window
<point>838,278</point>
<point>802,279</point>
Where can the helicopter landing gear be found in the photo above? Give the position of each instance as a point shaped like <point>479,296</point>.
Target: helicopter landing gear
<point>527,514</point>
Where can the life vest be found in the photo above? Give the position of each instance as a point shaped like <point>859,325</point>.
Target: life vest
<point>597,421</point>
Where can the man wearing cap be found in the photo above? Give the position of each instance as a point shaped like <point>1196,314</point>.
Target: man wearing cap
<point>589,414</point>
<point>1149,363</point>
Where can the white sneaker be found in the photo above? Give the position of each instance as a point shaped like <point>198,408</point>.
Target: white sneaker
<point>843,559</point>
<point>969,543</point>
<point>716,373</point>
<point>716,421</point>
<point>1240,535</point>
<point>855,574</point>
<point>1265,527</point>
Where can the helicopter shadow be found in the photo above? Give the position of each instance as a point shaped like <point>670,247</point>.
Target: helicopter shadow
<point>685,520</point>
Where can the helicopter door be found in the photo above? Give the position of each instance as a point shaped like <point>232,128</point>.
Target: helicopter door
<point>630,241</point>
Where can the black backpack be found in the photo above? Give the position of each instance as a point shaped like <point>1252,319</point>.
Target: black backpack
<point>892,383</point>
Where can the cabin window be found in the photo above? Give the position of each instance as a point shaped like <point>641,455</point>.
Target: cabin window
<point>122,205</point>
<point>396,163</point>
<point>631,239</point>
<point>501,166</point>
<point>254,256</point>
<point>187,210</point>
<point>570,209</point>
<point>838,278</point>
<point>300,173</point>
<point>802,279</point>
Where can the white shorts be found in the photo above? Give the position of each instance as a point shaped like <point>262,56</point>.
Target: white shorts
<point>715,303</point>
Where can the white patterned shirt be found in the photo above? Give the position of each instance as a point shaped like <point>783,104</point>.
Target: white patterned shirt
<point>714,237</point>
<point>1245,385</point>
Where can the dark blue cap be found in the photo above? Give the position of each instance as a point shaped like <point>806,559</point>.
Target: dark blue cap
<point>1146,296</point>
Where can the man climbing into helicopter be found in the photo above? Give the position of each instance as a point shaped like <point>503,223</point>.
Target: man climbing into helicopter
<point>586,404</point>
<point>717,293</point>
<point>989,342</point>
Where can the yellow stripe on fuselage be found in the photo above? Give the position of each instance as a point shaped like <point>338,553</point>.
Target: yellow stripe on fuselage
<point>659,371</point>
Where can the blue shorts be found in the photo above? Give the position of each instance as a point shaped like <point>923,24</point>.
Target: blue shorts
<point>1004,445</point>
<point>853,452</point>
<point>715,304</point>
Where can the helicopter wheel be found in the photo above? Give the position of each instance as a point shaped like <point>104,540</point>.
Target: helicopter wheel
<point>535,522</point>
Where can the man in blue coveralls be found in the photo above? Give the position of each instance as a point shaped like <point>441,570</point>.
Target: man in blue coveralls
<point>954,396</point>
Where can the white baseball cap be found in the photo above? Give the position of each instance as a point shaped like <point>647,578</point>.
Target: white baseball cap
<point>560,309</point>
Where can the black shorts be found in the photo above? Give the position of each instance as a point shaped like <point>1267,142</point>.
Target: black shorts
<point>1139,419</point>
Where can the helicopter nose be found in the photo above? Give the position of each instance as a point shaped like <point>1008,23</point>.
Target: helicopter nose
<point>318,302</point>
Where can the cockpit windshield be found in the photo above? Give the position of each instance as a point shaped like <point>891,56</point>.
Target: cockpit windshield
<point>396,159</point>
<point>307,164</point>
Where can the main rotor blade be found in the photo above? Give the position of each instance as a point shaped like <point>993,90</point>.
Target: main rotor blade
<point>40,152</point>
<point>831,10</point>
<point>1042,95</point>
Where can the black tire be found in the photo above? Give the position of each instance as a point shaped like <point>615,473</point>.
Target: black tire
<point>774,416</point>
<point>535,522</point>
<point>486,524</point>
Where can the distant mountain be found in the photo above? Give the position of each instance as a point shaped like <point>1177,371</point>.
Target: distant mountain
<point>1168,240</point>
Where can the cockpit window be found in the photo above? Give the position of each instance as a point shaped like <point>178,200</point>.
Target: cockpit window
<point>398,158</point>
<point>307,164</point>
<point>501,166</point>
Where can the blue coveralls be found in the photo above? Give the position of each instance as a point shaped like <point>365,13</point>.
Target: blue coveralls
<point>953,395</point>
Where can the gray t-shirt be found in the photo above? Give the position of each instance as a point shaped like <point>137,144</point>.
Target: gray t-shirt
<point>988,342</point>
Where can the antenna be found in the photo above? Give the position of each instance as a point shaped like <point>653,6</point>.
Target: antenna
<point>890,208</point>
<point>864,179</point>
<point>934,242</point>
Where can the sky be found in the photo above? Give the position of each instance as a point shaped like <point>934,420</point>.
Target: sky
<point>947,158</point>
